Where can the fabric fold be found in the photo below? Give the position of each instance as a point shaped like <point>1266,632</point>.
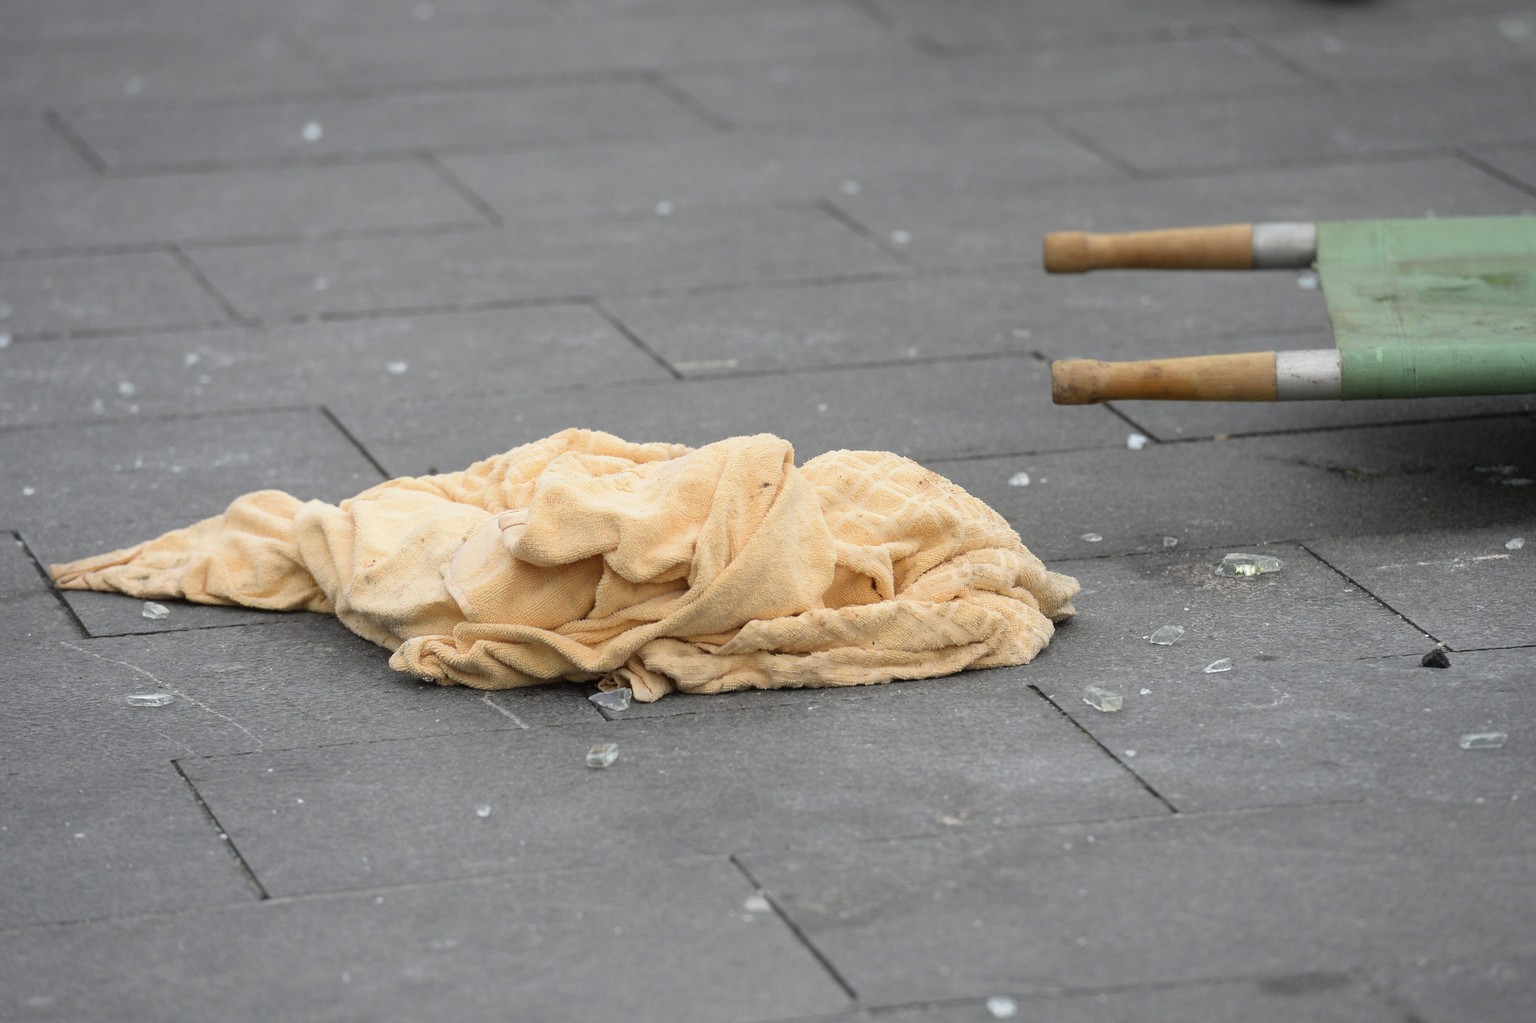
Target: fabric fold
<point>655,566</point>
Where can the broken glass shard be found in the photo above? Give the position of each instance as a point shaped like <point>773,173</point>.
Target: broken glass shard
<point>756,904</point>
<point>614,699</point>
<point>1019,479</point>
<point>1167,635</point>
<point>150,699</point>
<point>155,612</point>
<point>603,754</point>
<point>1225,664</point>
<point>483,810</point>
<point>1102,699</point>
<point>1002,1007</point>
<point>1170,541</point>
<point>1241,566</point>
<point>1092,537</point>
<point>1515,544</point>
<point>1482,740</point>
<point>1137,441</point>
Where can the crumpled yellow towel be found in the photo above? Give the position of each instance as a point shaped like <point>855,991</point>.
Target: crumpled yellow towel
<point>653,566</point>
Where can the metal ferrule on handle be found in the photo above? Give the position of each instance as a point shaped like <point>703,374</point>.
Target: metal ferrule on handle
<point>1222,247</point>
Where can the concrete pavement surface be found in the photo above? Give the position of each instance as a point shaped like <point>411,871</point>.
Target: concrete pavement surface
<point>311,244</point>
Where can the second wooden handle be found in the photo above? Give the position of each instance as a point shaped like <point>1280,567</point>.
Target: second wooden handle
<point>1223,247</point>
<point>1249,376</point>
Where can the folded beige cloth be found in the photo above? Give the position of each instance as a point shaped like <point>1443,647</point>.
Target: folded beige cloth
<point>653,566</point>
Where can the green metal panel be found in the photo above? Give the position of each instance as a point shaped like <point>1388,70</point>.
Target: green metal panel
<point>1427,307</point>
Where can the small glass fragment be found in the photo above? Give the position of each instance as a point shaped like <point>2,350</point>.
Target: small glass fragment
<point>1002,1007</point>
<point>1515,544</point>
<point>483,810</point>
<point>397,368</point>
<point>614,699</point>
<point>1092,537</point>
<point>603,754</point>
<point>312,132</point>
<point>1019,479</point>
<point>1137,441</point>
<point>1225,664</point>
<point>155,612</point>
<point>1241,566</point>
<point>1170,541</point>
<point>150,699</point>
<point>126,389</point>
<point>1167,635</point>
<point>1435,659</point>
<point>1103,699</point>
<point>1307,281</point>
<point>756,903</point>
<point>1482,740</point>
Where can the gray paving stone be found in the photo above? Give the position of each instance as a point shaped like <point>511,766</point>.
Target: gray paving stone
<point>1191,897</point>
<point>1463,586</point>
<point>37,152</point>
<point>29,611</point>
<point>254,133</point>
<point>837,768</point>
<point>750,34</point>
<point>474,950</point>
<point>1354,482</point>
<point>972,230</point>
<point>1017,311</point>
<point>924,411</point>
<point>1058,80</point>
<point>1304,998</point>
<point>302,202</point>
<point>972,154</point>
<point>124,291</point>
<point>1305,611</point>
<point>44,74</point>
<point>107,485</point>
<point>1266,131</point>
<point>542,259</point>
<point>1519,162</point>
<point>94,841</point>
<point>377,363</point>
<point>971,24</point>
<point>1493,990</point>
<point>304,681</point>
<point>1443,49</point>
<point>1303,727</point>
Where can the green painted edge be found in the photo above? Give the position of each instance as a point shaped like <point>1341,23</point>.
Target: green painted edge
<point>1427,371</point>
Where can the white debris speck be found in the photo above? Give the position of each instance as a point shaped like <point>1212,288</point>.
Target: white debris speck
<point>1002,1007</point>
<point>1019,479</point>
<point>5,340</point>
<point>397,367</point>
<point>126,389</point>
<point>1145,691</point>
<point>664,208</point>
<point>1091,538</point>
<point>483,810</point>
<point>312,132</point>
<point>1130,753</point>
<point>1515,544</point>
<point>851,187</point>
<point>822,407</point>
<point>756,903</point>
<point>28,491</point>
<point>901,237</point>
<point>1137,441</point>
<point>191,359</point>
<point>1307,281</point>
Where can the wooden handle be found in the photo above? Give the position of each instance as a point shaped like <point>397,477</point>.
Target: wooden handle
<point>1246,377</point>
<point>1225,247</point>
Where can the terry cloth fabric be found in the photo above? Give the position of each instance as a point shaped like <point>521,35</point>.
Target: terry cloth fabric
<point>653,566</point>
